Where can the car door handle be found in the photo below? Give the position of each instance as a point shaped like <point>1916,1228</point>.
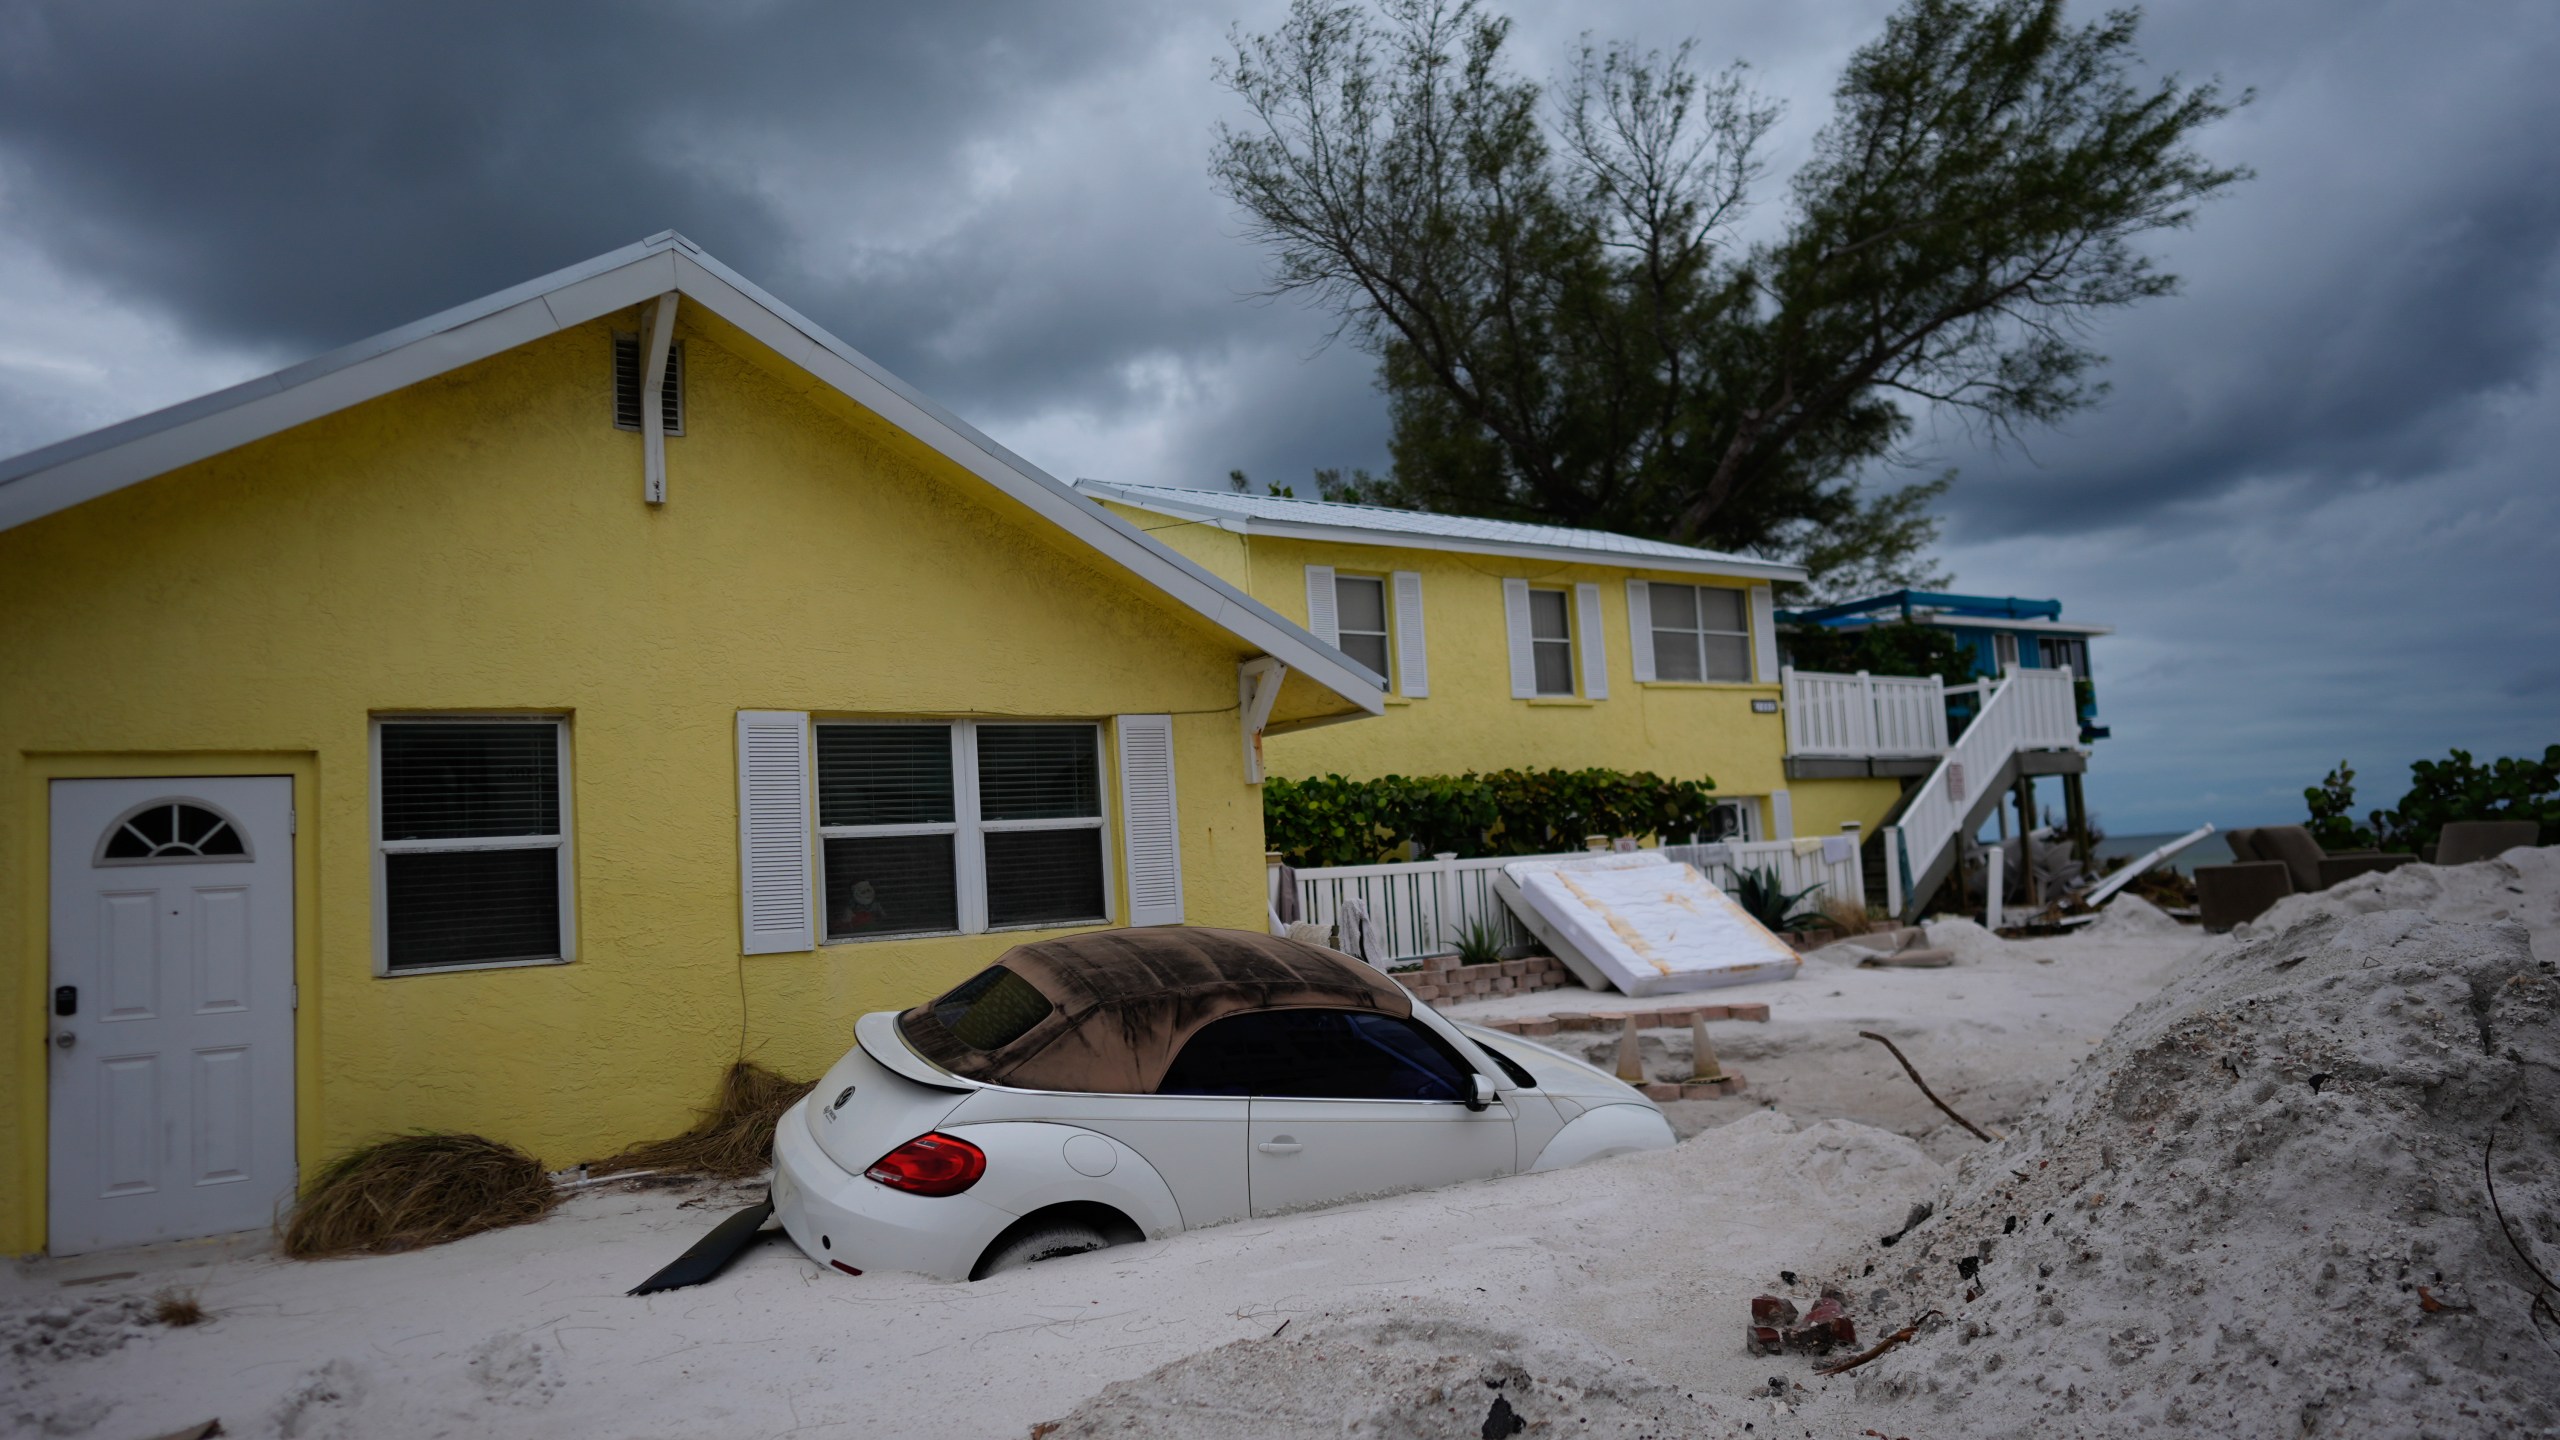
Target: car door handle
<point>1280,1145</point>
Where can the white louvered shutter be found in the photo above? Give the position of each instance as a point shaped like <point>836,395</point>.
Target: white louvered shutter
<point>1595,649</point>
<point>1320,605</point>
<point>1764,635</point>
<point>1640,629</point>
<point>1413,664</point>
<point>1782,814</point>
<point>773,832</point>
<point>1515,619</point>
<point>1150,823</point>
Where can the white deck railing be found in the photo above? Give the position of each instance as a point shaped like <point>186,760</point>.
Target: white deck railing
<point>1864,716</point>
<point>2029,710</point>
<point>1421,907</point>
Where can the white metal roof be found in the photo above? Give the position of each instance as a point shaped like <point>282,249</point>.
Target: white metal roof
<point>1414,529</point>
<point>65,474</point>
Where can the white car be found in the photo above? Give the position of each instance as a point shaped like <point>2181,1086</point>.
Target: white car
<point>1130,1084</point>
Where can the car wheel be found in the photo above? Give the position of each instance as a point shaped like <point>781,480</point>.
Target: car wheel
<point>1048,1241</point>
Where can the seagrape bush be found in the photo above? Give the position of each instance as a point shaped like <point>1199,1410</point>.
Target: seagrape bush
<point>1334,821</point>
<point>2440,792</point>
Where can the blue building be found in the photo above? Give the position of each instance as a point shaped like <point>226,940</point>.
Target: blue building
<point>2000,633</point>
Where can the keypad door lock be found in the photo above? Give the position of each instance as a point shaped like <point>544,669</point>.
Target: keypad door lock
<point>66,1000</point>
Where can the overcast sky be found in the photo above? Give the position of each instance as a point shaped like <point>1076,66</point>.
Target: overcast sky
<point>2319,507</point>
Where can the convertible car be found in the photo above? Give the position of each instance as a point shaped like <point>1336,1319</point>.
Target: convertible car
<point>1129,1084</point>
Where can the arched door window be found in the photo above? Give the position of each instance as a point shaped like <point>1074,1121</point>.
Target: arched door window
<point>172,831</point>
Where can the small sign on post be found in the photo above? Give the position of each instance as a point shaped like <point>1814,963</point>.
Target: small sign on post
<point>1955,781</point>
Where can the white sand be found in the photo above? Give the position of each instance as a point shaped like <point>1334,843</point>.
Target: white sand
<point>1606,1300</point>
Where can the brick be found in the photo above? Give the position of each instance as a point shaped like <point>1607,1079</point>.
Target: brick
<point>1504,985</point>
<point>1676,1019</point>
<point>1573,1020</point>
<point>1731,1084</point>
<point>1714,1012</point>
<point>1538,1026</point>
<point>1747,1012</point>
<point>1436,964</point>
<point>1659,1090</point>
<point>1514,969</point>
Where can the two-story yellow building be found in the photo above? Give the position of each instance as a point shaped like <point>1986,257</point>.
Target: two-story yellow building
<point>1512,645</point>
<point>505,723</point>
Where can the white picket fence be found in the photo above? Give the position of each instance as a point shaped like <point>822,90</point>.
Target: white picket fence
<point>1863,716</point>
<point>1421,907</point>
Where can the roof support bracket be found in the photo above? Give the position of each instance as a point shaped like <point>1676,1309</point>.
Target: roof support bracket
<point>653,392</point>
<point>1257,686</point>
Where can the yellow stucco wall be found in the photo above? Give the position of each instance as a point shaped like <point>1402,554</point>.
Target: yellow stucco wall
<point>1470,721</point>
<point>478,542</point>
<point>1822,806</point>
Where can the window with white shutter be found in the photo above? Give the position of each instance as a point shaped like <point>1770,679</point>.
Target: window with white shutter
<point>470,841</point>
<point>773,832</point>
<point>1150,820</point>
<point>1550,642</point>
<point>1413,669</point>
<point>960,826</point>
<point>1360,620</point>
<point>1698,632</point>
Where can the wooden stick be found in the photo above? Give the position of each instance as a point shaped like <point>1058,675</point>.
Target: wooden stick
<point>1887,1343</point>
<point>1978,1132</point>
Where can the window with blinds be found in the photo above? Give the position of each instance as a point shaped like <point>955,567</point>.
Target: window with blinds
<point>1700,632</point>
<point>471,842</point>
<point>1360,619</point>
<point>959,826</point>
<point>1551,641</point>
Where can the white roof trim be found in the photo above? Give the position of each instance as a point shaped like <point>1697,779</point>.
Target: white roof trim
<point>62,475</point>
<point>1667,558</point>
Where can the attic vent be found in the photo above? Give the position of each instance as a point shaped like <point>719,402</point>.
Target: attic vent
<point>626,385</point>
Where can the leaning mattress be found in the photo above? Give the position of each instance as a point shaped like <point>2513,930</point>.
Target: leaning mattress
<point>1646,924</point>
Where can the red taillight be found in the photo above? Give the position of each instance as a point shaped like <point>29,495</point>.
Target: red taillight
<point>930,1165</point>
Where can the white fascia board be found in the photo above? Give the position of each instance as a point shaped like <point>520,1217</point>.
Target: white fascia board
<point>1736,568</point>
<point>1995,622</point>
<point>853,375</point>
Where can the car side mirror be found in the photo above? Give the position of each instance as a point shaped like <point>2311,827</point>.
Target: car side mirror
<point>1480,1095</point>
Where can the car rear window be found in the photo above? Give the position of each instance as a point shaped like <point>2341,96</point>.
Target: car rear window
<point>991,1009</point>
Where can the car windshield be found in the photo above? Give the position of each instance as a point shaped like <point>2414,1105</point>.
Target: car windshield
<point>991,1009</point>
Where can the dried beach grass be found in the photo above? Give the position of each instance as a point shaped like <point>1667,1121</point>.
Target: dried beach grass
<point>178,1305</point>
<point>416,1190</point>
<point>1849,917</point>
<point>733,1139</point>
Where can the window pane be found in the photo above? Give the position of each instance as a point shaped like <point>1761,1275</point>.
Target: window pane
<point>884,774</point>
<point>1314,1054</point>
<point>1360,604</point>
<point>1044,876</point>
<point>1675,607</point>
<point>1675,655</point>
<point>1039,772</point>
<point>1720,609</point>
<point>1547,615</point>
<point>1554,666</point>
<point>1369,650</point>
<point>468,907</point>
<point>462,781</point>
<point>890,885</point>
<point>1728,658</point>
<point>991,1009</point>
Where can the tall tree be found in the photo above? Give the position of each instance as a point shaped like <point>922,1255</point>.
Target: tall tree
<point>1569,326</point>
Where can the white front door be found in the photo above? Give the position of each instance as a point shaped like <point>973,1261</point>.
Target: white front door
<point>170,1009</point>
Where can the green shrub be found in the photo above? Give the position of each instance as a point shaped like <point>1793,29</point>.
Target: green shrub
<point>1334,821</point>
<point>2440,793</point>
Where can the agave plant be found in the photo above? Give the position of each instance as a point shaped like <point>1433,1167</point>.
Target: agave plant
<point>1480,943</point>
<point>1764,896</point>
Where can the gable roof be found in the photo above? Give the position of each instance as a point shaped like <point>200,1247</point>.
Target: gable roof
<point>59,476</point>
<point>1416,530</point>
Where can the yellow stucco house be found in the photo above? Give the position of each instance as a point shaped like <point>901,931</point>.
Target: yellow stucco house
<point>1509,645</point>
<point>504,723</point>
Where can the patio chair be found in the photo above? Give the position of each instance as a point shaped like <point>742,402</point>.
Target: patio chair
<point>2464,841</point>
<point>2271,862</point>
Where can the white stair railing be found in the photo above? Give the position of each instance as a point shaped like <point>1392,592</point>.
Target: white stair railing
<point>2029,710</point>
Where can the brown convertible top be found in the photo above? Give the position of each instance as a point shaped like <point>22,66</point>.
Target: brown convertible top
<point>1124,1001</point>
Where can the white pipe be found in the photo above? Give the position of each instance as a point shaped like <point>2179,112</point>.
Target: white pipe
<point>2130,873</point>
<point>1991,866</point>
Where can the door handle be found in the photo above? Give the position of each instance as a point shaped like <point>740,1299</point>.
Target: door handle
<point>64,1039</point>
<point>1280,1145</point>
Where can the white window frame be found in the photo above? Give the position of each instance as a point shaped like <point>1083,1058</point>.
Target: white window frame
<point>564,843</point>
<point>1572,643</point>
<point>969,832</point>
<point>1386,618</point>
<point>1698,635</point>
<point>1748,808</point>
<point>2004,651</point>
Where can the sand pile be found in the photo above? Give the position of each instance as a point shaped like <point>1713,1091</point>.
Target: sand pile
<point>2131,916</point>
<point>2522,885</point>
<point>1970,943</point>
<point>2259,1207</point>
<point>1416,1371</point>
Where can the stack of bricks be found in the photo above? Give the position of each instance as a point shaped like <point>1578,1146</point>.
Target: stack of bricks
<point>1443,978</point>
